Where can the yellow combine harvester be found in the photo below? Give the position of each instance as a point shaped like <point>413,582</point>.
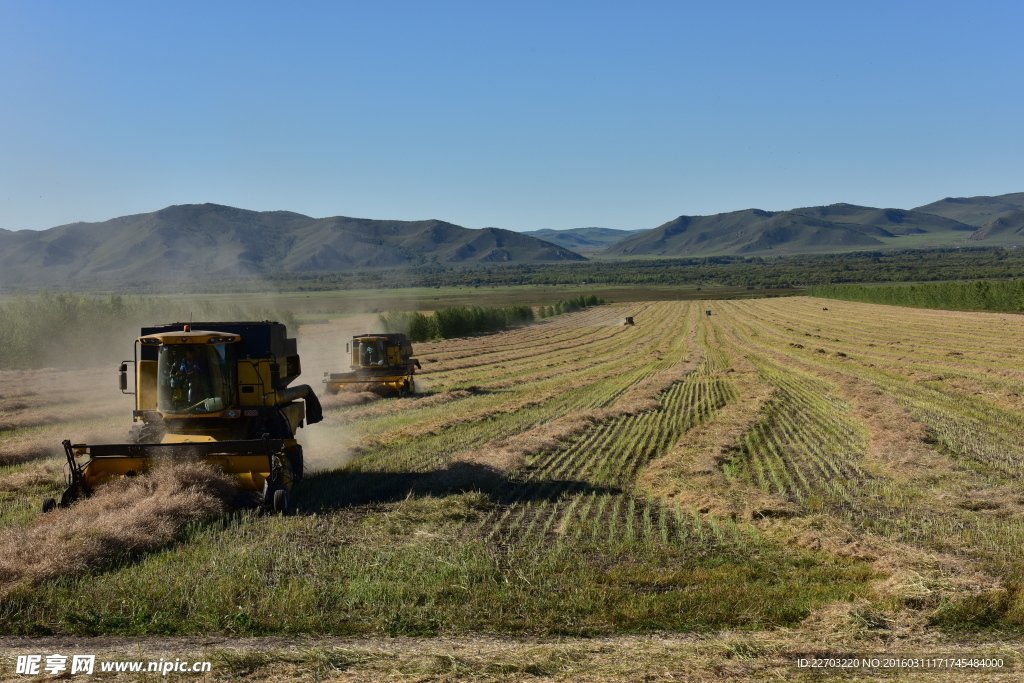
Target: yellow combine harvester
<point>381,363</point>
<point>217,392</point>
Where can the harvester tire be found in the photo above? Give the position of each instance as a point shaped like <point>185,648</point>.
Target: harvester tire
<point>281,501</point>
<point>48,505</point>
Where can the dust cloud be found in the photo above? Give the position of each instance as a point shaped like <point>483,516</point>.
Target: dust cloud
<point>322,350</point>
<point>41,408</point>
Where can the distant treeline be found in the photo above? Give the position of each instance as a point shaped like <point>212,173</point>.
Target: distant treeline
<point>778,272</point>
<point>753,272</point>
<point>462,321</point>
<point>456,321</point>
<point>67,330</point>
<point>569,305</point>
<point>955,296</point>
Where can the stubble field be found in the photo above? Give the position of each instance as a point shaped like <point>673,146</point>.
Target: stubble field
<point>782,479</point>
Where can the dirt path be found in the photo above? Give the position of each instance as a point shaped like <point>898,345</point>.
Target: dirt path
<point>729,656</point>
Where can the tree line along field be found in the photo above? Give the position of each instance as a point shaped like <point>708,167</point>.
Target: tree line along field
<point>780,272</point>
<point>841,476</point>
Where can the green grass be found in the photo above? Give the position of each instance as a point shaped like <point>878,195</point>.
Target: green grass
<point>407,569</point>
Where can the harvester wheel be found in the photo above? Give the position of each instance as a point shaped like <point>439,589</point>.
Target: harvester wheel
<point>48,505</point>
<point>281,501</point>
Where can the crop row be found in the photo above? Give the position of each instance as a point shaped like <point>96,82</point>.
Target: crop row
<point>968,426</point>
<point>587,487</point>
<point>494,416</point>
<point>963,509</point>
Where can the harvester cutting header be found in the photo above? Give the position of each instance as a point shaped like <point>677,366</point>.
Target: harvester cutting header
<point>216,391</point>
<point>381,363</point>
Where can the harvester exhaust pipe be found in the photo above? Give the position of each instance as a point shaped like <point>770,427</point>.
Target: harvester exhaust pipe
<point>314,413</point>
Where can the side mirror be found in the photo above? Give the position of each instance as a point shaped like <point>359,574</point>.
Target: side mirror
<point>124,377</point>
<point>275,375</point>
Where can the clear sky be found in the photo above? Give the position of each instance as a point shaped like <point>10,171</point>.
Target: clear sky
<point>521,115</point>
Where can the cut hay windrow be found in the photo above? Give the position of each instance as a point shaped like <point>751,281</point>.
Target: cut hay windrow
<point>916,434</point>
<point>33,474</point>
<point>578,389</point>
<point>525,349</point>
<point>124,518</point>
<point>616,445</point>
<point>507,454</point>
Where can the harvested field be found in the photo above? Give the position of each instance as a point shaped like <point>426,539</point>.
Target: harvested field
<point>777,474</point>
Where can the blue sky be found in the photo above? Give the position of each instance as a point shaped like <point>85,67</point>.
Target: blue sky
<point>515,115</point>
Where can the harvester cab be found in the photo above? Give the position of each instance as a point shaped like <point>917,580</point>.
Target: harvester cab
<point>381,363</point>
<point>217,392</point>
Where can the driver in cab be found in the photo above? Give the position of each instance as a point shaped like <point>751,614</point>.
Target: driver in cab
<point>372,355</point>
<point>188,373</point>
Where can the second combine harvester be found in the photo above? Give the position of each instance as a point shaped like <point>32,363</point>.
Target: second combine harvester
<point>213,391</point>
<point>381,363</point>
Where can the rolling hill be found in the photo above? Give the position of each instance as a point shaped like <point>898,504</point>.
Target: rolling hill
<point>1007,227</point>
<point>202,240</point>
<point>838,227</point>
<point>976,211</point>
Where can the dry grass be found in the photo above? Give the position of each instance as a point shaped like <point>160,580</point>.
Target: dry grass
<point>68,385</point>
<point>34,474</point>
<point>124,517</point>
<point>12,453</point>
<point>691,476</point>
<point>40,408</point>
<point>402,404</point>
<point>506,455</point>
<point>903,463</point>
<point>27,419</point>
<point>45,442</point>
<point>741,657</point>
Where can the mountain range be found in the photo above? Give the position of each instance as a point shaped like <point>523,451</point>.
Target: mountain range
<point>203,240</point>
<point>199,241</point>
<point>979,221</point>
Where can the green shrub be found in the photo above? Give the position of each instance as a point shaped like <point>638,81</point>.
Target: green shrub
<point>956,296</point>
<point>456,321</point>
